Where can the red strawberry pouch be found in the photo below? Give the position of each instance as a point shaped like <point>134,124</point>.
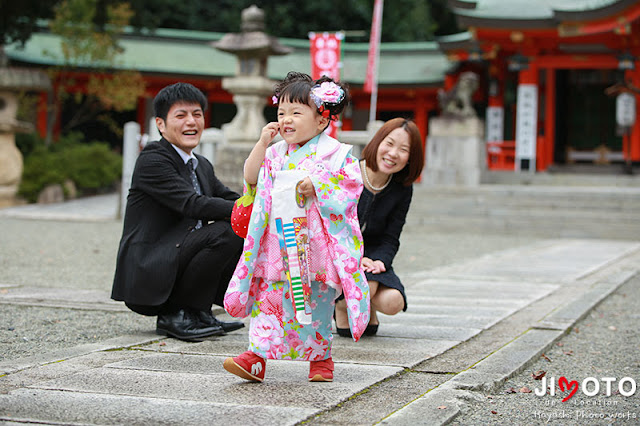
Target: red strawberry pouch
<point>241,212</point>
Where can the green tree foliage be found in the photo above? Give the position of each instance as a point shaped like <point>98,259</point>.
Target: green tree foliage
<point>403,20</point>
<point>93,167</point>
<point>89,30</point>
<point>18,19</point>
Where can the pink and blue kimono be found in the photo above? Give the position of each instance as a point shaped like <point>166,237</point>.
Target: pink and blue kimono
<point>300,255</point>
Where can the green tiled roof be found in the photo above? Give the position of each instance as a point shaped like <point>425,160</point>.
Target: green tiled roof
<point>168,51</point>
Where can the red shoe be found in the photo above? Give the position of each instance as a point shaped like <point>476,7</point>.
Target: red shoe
<point>321,371</point>
<point>248,365</point>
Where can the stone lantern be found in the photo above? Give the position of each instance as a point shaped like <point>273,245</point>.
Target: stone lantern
<point>250,88</point>
<point>12,82</point>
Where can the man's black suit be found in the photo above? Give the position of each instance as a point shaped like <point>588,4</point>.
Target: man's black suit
<point>161,259</point>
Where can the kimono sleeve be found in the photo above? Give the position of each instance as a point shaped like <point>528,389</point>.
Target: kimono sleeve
<point>338,192</point>
<point>243,287</point>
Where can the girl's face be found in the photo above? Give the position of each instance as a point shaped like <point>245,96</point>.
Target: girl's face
<point>299,122</point>
<point>393,151</point>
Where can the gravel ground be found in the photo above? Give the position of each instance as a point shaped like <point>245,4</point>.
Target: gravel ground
<point>81,255</point>
<point>26,330</point>
<point>604,344</point>
<point>58,254</point>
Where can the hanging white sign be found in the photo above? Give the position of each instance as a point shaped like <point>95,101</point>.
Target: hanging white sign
<point>526,126</point>
<point>625,109</point>
<point>495,124</point>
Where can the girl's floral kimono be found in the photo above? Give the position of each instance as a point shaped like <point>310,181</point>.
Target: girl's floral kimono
<point>260,284</point>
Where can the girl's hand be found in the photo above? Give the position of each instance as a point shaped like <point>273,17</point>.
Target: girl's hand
<point>256,156</point>
<point>305,187</point>
<point>268,133</point>
<point>373,266</point>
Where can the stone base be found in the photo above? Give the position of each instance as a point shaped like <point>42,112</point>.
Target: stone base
<point>455,151</point>
<point>8,196</point>
<point>229,166</point>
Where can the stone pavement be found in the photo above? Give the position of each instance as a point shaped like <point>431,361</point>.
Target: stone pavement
<point>471,324</point>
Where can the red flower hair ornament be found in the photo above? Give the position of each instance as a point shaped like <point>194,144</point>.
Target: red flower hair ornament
<point>326,95</point>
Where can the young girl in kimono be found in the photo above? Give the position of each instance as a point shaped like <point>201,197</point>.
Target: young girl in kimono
<point>303,246</point>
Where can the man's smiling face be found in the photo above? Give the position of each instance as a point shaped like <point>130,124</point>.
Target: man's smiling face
<point>183,126</point>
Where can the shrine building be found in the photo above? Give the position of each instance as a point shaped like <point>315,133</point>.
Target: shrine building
<point>551,73</point>
<point>409,77</point>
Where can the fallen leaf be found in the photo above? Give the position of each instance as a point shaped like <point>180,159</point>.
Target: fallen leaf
<point>442,407</point>
<point>576,329</point>
<point>511,390</point>
<point>560,344</point>
<point>570,353</point>
<point>489,397</point>
<point>545,357</point>
<point>494,412</point>
<point>538,375</point>
<point>612,328</point>
<point>525,389</point>
<point>162,344</point>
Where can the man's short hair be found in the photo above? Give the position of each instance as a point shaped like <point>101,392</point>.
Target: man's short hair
<point>178,92</point>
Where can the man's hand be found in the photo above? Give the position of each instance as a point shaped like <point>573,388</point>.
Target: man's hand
<point>373,266</point>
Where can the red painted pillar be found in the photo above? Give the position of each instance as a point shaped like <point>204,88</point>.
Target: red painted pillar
<point>43,113</point>
<point>420,115</point>
<point>450,81</point>
<point>633,76</point>
<point>142,114</point>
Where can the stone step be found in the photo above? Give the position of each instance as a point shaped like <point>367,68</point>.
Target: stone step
<point>487,197</point>
<point>549,211</point>
<point>574,175</point>
<point>538,227</point>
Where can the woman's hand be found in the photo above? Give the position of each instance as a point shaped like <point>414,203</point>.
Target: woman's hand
<point>305,187</point>
<point>373,266</point>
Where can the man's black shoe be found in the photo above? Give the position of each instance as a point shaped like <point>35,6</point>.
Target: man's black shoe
<point>207,318</point>
<point>185,326</point>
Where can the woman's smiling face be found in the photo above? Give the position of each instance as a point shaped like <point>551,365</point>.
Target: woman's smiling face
<point>393,151</point>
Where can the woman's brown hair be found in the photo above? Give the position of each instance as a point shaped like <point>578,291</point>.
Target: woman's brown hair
<point>414,166</point>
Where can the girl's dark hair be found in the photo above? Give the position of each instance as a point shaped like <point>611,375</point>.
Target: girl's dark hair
<point>178,92</point>
<point>414,166</point>
<point>296,87</point>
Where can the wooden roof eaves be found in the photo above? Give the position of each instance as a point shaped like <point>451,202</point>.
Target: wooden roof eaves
<point>510,24</point>
<point>463,40</point>
<point>462,4</point>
